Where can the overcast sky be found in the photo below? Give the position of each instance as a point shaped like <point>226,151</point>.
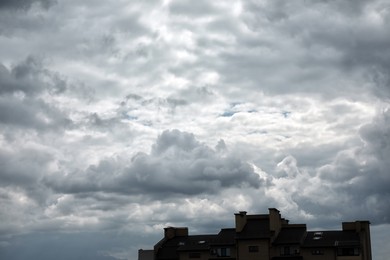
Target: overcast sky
<point>119,118</point>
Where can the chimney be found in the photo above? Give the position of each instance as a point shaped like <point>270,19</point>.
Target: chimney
<point>275,219</point>
<point>275,222</point>
<point>240,220</point>
<point>171,232</point>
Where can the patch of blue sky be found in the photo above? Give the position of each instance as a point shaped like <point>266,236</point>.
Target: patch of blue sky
<point>228,113</point>
<point>286,114</point>
<point>261,132</point>
<point>131,118</point>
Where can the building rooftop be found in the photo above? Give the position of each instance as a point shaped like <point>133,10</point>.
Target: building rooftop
<point>225,237</point>
<point>331,238</point>
<point>257,226</point>
<point>291,234</point>
<point>281,239</point>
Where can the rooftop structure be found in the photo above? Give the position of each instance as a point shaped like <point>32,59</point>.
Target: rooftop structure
<point>264,236</point>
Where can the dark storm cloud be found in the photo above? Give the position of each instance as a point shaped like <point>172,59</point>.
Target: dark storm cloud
<point>375,179</point>
<point>189,167</point>
<point>94,245</point>
<point>24,4</point>
<point>22,169</point>
<point>357,177</point>
<point>176,141</point>
<point>366,46</point>
<point>13,172</point>
<point>20,100</point>
<point>31,114</point>
<point>24,77</point>
<point>178,164</point>
<point>31,78</point>
<point>287,38</point>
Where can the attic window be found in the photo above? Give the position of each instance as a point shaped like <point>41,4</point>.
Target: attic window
<point>317,235</point>
<point>317,252</point>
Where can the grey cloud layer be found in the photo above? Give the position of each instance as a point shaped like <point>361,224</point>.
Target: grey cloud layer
<point>276,104</point>
<point>178,164</point>
<point>24,4</point>
<point>20,97</point>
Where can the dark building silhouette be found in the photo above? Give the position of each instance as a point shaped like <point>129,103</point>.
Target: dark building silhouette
<point>264,236</point>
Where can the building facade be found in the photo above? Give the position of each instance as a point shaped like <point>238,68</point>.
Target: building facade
<point>263,237</point>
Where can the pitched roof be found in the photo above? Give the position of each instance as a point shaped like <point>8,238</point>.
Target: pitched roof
<point>291,234</point>
<point>196,243</point>
<point>225,237</point>
<point>170,248</point>
<point>331,239</point>
<point>257,226</point>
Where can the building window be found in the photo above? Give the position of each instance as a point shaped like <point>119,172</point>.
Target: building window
<point>253,249</point>
<point>348,251</point>
<point>194,255</point>
<point>289,250</point>
<point>317,252</point>
<point>222,252</point>
<point>285,250</point>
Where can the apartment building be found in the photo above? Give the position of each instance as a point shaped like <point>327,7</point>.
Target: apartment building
<point>263,237</point>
